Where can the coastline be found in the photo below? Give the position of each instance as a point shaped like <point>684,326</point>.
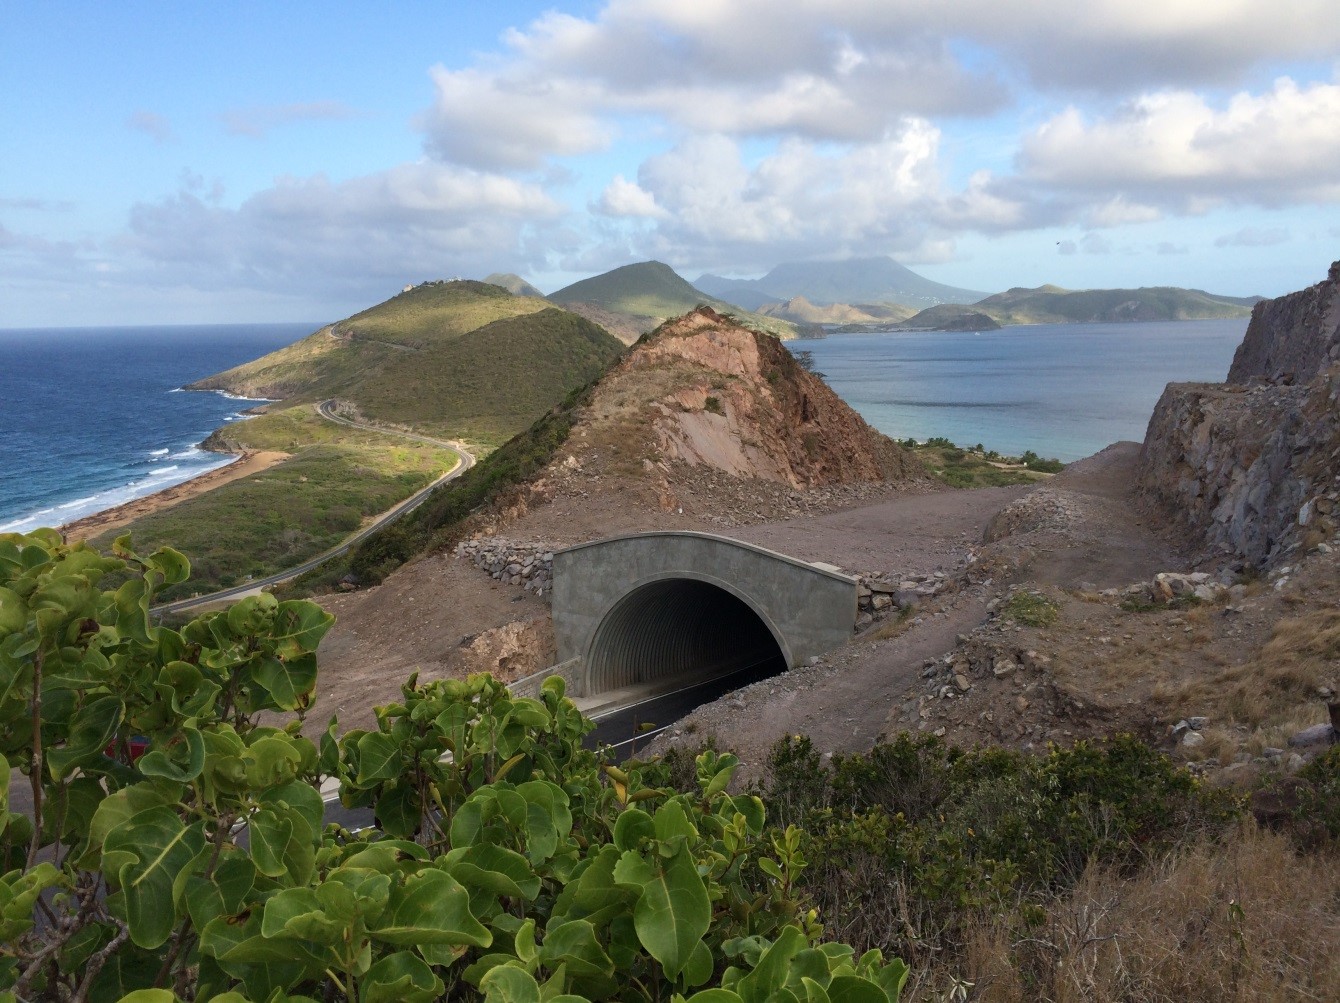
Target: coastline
<point>247,463</point>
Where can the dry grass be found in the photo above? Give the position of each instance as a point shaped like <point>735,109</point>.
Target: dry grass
<point>1248,921</point>
<point>1277,687</point>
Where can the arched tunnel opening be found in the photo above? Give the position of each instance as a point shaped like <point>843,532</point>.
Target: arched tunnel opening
<point>688,637</point>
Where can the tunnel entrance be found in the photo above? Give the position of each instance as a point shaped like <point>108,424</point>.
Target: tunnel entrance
<point>682,631</point>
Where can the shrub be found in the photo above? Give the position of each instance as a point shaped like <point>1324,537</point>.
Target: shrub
<point>177,847</point>
<point>1032,609</point>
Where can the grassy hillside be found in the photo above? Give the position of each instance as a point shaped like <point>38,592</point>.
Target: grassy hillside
<point>490,384</point>
<point>1054,305</point>
<point>654,292</point>
<point>436,311</point>
<point>452,358</point>
<point>335,478</point>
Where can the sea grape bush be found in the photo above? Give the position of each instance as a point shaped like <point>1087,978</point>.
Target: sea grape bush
<point>166,838</point>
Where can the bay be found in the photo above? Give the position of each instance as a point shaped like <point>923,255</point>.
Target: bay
<point>1061,390</point>
<point>93,417</point>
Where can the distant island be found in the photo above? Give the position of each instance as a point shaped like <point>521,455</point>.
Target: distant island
<point>808,299</point>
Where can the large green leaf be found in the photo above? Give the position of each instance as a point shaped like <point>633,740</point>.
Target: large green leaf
<point>509,984</point>
<point>270,833</point>
<point>148,851</point>
<point>853,989</point>
<point>299,627</point>
<point>431,907</point>
<point>495,869</point>
<point>93,727</point>
<point>401,977</point>
<point>181,760</point>
<point>574,944</point>
<point>673,911</point>
<point>378,758</point>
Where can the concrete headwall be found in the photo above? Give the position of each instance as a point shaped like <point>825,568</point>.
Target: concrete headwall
<point>650,606</point>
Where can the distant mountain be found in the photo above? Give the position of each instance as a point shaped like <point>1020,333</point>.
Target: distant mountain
<point>1054,305</point>
<point>802,311</point>
<point>855,280</point>
<point>744,292</point>
<point>514,284</point>
<point>651,292</point>
<point>463,358</point>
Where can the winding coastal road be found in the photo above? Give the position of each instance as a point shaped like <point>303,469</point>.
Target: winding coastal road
<point>326,409</point>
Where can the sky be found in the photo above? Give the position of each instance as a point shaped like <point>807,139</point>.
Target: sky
<point>254,162</point>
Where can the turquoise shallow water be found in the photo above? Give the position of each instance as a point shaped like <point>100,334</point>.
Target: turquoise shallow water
<point>1061,390</point>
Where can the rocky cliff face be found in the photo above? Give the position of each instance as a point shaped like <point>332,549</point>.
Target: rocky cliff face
<point>1292,338</point>
<point>1252,465</point>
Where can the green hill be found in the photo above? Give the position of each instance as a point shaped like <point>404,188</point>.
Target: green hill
<point>653,292</point>
<point>1054,305</point>
<point>458,358</point>
<point>949,317</point>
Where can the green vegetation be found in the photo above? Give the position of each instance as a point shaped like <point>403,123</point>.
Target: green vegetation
<point>654,292</point>
<point>1054,305</point>
<point>492,383</point>
<point>258,525</point>
<point>435,312</point>
<point>454,359</point>
<point>1032,609</point>
<point>176,847</point>
<point>436,522</point>
<point>979,467</point>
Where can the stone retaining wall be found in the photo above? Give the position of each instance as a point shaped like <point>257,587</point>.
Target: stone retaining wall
<point>529,565</point>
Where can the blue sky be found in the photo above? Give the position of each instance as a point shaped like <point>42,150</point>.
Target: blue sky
<point>192,163</point>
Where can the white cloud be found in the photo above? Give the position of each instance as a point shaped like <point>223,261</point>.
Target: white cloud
<point>626,198</point>
<point>1253,236</point>
<point>260,120</point>
<point>1173,148</point>
<point>1118,211</point>
<point>410,222</point>
<point>511,119</point>
<point>802,200</point>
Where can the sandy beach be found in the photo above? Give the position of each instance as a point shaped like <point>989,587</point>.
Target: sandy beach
<point>251,462</point>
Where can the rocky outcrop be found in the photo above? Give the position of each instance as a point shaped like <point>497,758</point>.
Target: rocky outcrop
<point>742,404</point>
<point>1251,466</point>
<point>1293,338</point>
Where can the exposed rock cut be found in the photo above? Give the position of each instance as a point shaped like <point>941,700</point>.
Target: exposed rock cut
<point>1292,338</point>
<point>1251,466</point>
<point>741,404</point>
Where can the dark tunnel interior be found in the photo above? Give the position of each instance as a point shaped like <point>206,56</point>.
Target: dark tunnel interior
<point>681,629</point>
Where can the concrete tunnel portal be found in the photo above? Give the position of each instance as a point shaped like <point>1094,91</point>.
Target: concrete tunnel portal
<point>657,609</point>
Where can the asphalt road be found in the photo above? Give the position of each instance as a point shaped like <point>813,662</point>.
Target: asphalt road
<point>466,461</point>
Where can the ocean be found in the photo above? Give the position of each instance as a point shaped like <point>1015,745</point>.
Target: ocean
<point>93,417</point>
<point>1061,390</point>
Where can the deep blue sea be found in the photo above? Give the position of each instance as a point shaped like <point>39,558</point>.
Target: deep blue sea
<point>92,417</point>
<point>1061,390</point>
